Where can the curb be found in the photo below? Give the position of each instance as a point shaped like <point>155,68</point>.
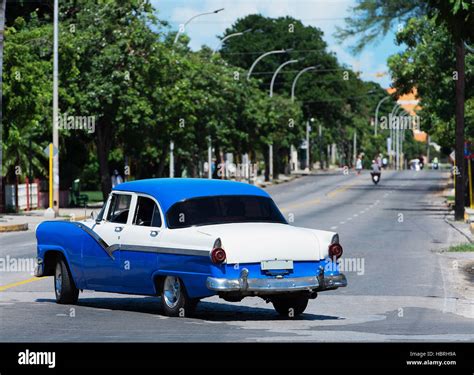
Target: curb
<point>13,228</point>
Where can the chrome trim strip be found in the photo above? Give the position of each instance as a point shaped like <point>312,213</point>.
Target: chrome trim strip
<point>161,250</point>
<point>271,285</point>
<point>263,285</point>
<point>139,248</point>
<point>334,282</point>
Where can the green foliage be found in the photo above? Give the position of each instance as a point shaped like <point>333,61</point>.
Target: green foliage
<point>430,54</point>
<point>118,64</point>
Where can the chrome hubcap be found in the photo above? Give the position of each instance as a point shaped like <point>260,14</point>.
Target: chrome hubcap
<point>171,291</point>
<point>58,279</point>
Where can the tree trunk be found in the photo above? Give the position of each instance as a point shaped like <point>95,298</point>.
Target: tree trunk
<point>103,143</point>
<point>460,175</point>
<point>2,28</point>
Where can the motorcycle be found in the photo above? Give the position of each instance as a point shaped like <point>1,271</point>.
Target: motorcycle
<point>375,177</point>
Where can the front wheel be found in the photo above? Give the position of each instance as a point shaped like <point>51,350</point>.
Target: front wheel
<point>290,307</point>
<point>64,287</point>
<point>174,298</point>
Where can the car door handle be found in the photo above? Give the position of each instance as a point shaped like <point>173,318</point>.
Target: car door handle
<point>118,229</point>
<point>154,233</point>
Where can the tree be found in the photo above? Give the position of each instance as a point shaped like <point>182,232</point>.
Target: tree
<point>27,97</point>
<point>2,31</point>
<point>376,17</point>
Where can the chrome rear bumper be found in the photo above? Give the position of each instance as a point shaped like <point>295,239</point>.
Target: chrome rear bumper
<point>275,285</point>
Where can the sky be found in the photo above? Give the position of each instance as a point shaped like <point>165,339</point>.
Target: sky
<point>324,14</point>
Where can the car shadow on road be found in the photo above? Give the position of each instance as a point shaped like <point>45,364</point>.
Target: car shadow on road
<point>209,311</point>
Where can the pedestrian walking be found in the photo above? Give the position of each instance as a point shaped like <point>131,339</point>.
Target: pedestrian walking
<point>358,166</point>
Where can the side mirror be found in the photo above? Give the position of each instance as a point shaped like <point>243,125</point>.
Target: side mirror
<point>93,217</point>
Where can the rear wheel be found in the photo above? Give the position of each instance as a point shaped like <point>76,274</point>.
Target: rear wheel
<point>290,307</point>
<point>64,287</point>
<point>174,298</point>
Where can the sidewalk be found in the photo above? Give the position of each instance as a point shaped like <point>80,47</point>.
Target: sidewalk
<point>29,220</point>
<point>294,175</point>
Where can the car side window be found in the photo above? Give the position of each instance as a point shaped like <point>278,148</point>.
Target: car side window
<point>119,208</point>
<point>147,213</point>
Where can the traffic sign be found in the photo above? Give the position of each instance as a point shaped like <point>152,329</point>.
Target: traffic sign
<point>46,151</point>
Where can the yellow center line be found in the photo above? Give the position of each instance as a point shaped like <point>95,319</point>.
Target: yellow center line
<point>301,204</point>
<point>341,189</point>
<point>18,283</point>
<point>318,200</point>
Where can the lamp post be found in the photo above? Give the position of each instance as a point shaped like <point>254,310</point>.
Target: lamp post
<point>308,131</point>
<point>53,209</point>
<point>228,37</point>
<point>295,81</point>
<point>278,71</point>
<point>377,112</point>
<point>182,27</point>
<point>261,57</point>
<point>392,132</point>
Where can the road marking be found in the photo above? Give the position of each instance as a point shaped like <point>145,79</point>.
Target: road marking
<point>341,189</point>
<point>355,215</point>
<point>349,219</point>
<point>342,222</point>
<point>334,227</point>
<point>301,204</point>
<point>18,283</point>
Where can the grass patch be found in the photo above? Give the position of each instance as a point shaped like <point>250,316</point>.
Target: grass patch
<point>450,198</point>
<point>465,247</point>
<point>94,196</point>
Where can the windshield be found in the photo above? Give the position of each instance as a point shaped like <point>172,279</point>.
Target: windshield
<point>222,210</point>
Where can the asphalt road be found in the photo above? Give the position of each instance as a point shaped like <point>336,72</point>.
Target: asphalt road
<point>399,285</point>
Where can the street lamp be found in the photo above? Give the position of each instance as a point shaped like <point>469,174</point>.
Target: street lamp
<point>53,209</point>
<point>293,86</point>
<point>278,71</point>
<point>228,37</point>
<point>261,57</point>
<point>377,112</point>
<point>182,27</point>
<point>308,130</point>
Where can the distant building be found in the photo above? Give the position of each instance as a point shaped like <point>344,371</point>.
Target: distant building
<point>410,103</point>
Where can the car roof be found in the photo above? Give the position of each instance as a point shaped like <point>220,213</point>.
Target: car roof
<point>168,191</point>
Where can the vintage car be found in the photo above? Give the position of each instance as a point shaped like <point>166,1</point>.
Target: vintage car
<point>188,239</point>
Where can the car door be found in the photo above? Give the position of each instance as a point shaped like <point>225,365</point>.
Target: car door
<point>101,259</point>
<point>138,250</point>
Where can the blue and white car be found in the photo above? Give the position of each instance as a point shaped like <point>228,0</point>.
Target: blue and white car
<point>188,239</point>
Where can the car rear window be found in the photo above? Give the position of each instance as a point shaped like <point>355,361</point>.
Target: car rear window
<point>222,210</point>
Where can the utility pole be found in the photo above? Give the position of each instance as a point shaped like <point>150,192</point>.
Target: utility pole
<point>428,149</point>
<point>56,110</point>
<point>320,138</point>
<point>209,159</point>
<point>355,147</point>
<point>270,161</point>
<point>308,129</point>
<point>460,97</point>
<point>171,159</point>
<point>397,147</point>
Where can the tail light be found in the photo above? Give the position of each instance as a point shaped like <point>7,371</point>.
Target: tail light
<point>335,251</point>
<point>218,255</point>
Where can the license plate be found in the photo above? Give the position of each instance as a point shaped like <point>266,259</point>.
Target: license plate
<point>267,265</point>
